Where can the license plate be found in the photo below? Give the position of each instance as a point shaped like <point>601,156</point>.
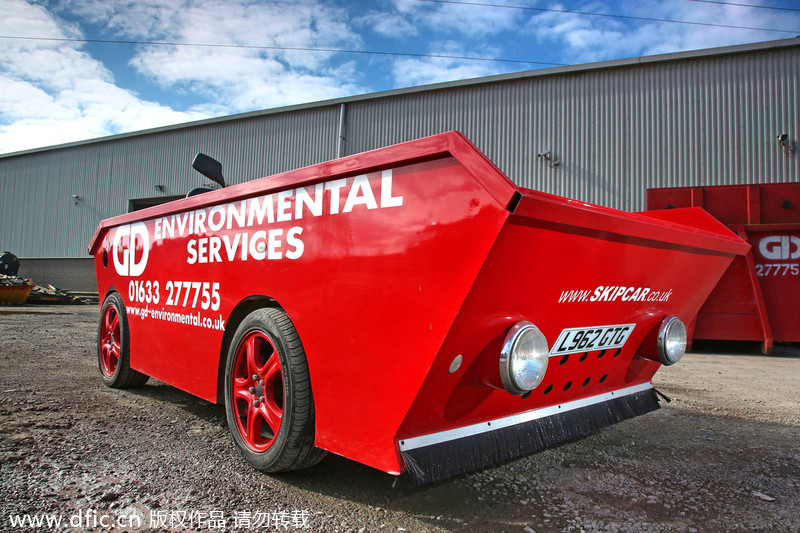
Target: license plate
<point>576,340</point>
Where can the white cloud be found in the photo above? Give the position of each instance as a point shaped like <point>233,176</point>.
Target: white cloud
<point>420,71</point>
<point>455,30</point>
<point>393,25</point>
<point>458,19</point>
<point>585,38</point>
<point>405,19</point>
<point>92,108</point>
<point>52,92</point>
<point>243,78</point>
<point>128,18</point>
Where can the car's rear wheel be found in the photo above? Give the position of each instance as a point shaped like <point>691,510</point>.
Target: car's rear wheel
<point>268,400</point>
<point>113,346</point>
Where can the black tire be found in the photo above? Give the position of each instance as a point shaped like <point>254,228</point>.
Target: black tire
<point>268,442</point>
<point>113,346</point>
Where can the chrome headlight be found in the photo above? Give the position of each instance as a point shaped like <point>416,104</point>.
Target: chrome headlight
<point>671,340</point>
<point>523,359</point>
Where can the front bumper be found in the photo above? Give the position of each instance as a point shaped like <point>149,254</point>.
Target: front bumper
<point>457,451</point>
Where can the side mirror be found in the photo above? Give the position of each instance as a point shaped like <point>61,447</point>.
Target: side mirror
<point>209,167</point>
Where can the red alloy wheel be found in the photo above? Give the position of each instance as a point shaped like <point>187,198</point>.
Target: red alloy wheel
<point>110,341</point>
<point>257,391</point>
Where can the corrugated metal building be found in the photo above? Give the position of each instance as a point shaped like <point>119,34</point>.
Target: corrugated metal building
<point>616,128</point>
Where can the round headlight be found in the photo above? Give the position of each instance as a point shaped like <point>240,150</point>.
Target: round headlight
<point>523,359</point>
<point>671,340</point>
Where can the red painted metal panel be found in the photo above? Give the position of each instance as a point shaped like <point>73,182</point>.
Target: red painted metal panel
<point>757,298</point>
<point>390,264</point>
<point>557,275</point>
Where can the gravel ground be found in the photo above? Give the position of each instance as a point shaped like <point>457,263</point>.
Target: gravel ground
<point>723,456</point>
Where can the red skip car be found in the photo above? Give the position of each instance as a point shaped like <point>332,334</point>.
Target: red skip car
<point>409,308</point>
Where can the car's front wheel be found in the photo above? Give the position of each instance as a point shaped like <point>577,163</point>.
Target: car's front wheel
<point>268,400</point>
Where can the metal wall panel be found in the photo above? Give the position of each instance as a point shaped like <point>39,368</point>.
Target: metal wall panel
<point>615,132</point>
<point>618,128</point>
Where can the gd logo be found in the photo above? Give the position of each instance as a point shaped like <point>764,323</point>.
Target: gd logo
<point>780,247</point>
<point>131,248</point>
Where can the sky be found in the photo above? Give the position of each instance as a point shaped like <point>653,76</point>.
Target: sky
<point>92,68</point>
